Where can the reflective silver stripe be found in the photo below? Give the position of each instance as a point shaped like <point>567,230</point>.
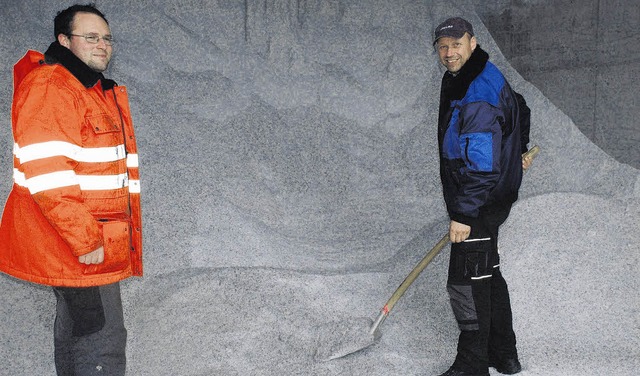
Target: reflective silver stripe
<point>481,277</point>
<point>103,182</point>
<point>476,240</point>
<point>18,178</point>
<point>47,181</point>
<point>69,178</point>
<point>49,149</point>
<point>132,160</point>
<point>134,186</point>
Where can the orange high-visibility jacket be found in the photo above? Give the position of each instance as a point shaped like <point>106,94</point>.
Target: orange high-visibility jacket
<point>76,183</point>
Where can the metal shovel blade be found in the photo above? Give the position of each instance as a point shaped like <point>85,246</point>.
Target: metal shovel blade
<point>339,339</point>
<point>343,338</point>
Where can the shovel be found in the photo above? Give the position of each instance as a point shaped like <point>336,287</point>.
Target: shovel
<point>361,333</point>
<point>353,337</point>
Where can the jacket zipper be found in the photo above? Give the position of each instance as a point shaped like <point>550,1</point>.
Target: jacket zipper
<point>126,153</point>
<point>466,150</point>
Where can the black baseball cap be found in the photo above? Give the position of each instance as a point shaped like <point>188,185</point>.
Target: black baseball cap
<point>454,27</point>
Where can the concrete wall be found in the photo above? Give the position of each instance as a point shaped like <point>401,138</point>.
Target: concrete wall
<point>584,56</point>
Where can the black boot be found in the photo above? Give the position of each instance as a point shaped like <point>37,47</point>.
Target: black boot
<point>454,372</point>
<point>507,366</point>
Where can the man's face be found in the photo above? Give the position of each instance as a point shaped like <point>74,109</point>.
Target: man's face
<point>454,53</point>
<point>97,55</point>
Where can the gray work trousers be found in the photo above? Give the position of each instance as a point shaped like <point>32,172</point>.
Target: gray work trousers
<point>101,352</point>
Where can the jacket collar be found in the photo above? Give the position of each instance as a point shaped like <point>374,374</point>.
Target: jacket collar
<point>456,86</point>
<point>56,53</point>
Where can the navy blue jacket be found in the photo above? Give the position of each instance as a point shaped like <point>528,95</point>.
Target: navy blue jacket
<point>480,140</point>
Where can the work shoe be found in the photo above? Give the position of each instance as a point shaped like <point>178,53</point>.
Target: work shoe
<point>507,367</point>
<point>454,372</point>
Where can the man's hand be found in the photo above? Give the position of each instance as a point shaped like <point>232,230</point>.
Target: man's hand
<point>95,257</point>
<point>458,232</point>
<point>526,162</point>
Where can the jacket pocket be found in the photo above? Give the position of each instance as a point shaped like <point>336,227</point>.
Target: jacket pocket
<point>102,124</point>
<point>116,238</point>
<point>477,151</point>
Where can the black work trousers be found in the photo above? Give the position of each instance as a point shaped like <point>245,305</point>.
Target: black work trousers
<point>480,298</point>
<point>89,333</point>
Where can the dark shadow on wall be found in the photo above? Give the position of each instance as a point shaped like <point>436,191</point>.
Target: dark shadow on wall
<point>584,56</point>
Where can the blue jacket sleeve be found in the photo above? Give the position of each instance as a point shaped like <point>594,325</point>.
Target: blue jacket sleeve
<point>480,145</point>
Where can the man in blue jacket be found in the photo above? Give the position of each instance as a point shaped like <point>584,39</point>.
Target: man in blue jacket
<point>480,142</point>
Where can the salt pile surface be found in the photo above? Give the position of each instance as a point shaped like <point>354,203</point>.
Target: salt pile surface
<point>289,172</point>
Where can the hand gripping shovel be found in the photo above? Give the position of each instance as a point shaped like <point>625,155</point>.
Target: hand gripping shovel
<point>352,336</point>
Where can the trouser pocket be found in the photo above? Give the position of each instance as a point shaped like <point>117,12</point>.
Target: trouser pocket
<point>471,260</point>
<point>468,283</point>
<point>116,238</point>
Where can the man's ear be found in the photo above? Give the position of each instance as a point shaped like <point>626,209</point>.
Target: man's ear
<point>473,43</point>
<point>64,40</point>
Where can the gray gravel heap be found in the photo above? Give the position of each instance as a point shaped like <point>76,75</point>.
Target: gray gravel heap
<point>289,172</point>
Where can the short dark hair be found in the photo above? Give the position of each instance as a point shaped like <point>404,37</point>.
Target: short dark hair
<point>62,24</point>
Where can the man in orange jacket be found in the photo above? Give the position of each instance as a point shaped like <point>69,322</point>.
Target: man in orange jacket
<point>72,219</point>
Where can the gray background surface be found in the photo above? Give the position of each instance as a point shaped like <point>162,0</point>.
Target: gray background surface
<point>583,56</point>
<point>289,176</point>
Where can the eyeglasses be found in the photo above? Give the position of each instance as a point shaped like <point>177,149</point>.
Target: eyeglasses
<point>94,38</point>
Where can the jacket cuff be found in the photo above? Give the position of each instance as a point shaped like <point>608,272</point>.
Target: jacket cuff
<point>464,219</point>
<point>89,249</point>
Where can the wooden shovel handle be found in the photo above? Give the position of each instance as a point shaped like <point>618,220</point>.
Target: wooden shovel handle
<point>533,152</point>
<point>415,273</point>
